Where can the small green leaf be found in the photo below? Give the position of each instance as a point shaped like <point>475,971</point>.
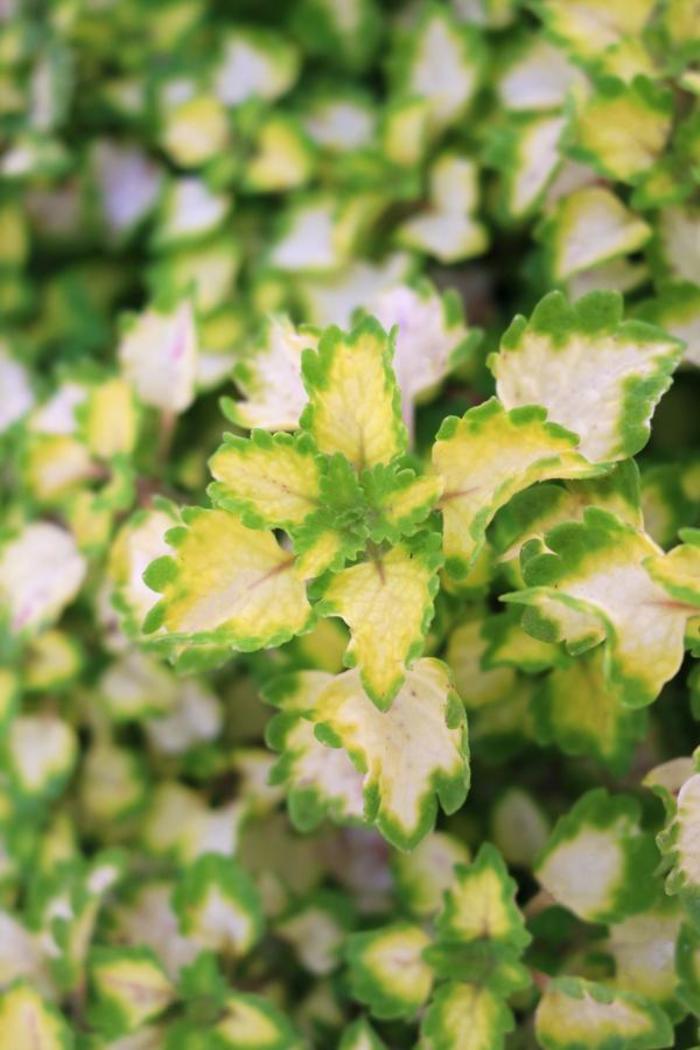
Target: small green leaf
<point>533,512</point>
<point>399,501</point>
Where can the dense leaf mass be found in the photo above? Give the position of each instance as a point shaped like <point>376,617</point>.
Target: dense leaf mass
<point>350,525</point>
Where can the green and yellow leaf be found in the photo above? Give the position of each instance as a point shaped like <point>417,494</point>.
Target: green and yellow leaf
<point>621,129</point>
<point>320,781</point>
<point>678,571</point>
<point>448,229</point>
<point>442,61</point>
<point>431,338</point>
<point>56,466</point>
<point>40,751</point>
<point>360,1036</point>
<point>480,904</point>
<point>269,481</point>
<point>484,459</point>
<point>577,709</point>
<point>190,209</point>
<point>526,153</point>
<point>588,227</point>
<point>254,63</point>
<point>598,862</point>
<point>317,930</point>
<point>251,1022</point>
<point>533,512</point>
<point>226,584</point>
<point>398,501</point>
<point>109,418</point>
<point>283,156</point>
<point>54,659</point>
<point>676,308</point>
<point>476,684</point>
<point>423,875</point>
<point>218,906</point>
<point>595,374</point>
<point>195,717</point>
<point>687,968</point>
<point>136,686</point>
<point>387,602</point>
<point>353,398</point>
<point>508,646</point>
<point>679,843</point>
<point>130,988</point>
<point>666,780</point>
<point>537,76</point>
<point>387,971</point>
<point>113,784</point>
<point>588,581</point>
<point>644,950</point>
<point>466,1017</point>
<point>519,827</point>
<point>269,375</point>
<point>402,771</point>
<point>587,27</point>
<point>195,130</point>
<point>575,1014</point>
<point>28,1022</point>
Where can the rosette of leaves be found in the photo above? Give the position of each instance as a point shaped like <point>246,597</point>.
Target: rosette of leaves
<point>355,513</point>
<point>465,969</point>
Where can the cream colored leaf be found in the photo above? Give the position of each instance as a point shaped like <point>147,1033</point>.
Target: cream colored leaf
<point>408,754</point>
<point>158,355</point>
<point>41,572</point>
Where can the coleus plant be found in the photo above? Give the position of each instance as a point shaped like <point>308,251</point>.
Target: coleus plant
<point>368,725</point>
